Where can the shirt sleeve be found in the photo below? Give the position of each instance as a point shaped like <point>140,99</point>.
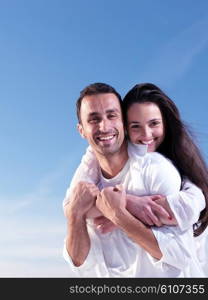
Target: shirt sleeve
<point>160,175</point>
<point>176,246</point>
<point>86,171</point>
<point>187,205</point>
<point>85,270</point>
<point>94,264</point>
<point>163,178</point>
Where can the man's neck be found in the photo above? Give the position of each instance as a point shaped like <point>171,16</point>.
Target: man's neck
<point>112,164</point>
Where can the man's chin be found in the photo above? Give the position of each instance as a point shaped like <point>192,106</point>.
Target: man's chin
<point>108,150</point>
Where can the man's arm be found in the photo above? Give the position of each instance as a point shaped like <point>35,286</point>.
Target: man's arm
<point>82,200</point>
<point>138,232</point>
<point>77,248</point>
<point>150,210</point>
<point>112,203</point>
<point>174,247</point>
<point>182,208</point>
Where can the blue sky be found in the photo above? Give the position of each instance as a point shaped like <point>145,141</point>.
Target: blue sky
<point>49,51</point>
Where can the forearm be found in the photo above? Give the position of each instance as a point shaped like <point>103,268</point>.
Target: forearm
<point>92,213</point>
<point>150,210</point>
<point>77,241</point>
<point>81,201</point>
<point>138,232</point>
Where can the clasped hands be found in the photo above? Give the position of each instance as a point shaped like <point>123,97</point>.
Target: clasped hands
<point>105,205</point>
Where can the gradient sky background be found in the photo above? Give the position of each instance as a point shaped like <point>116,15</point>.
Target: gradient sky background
<point>49,51</point>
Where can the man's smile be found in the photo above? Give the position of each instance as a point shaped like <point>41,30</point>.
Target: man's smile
<point>106,137</point>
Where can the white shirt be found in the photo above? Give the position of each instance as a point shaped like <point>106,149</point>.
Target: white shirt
<point>185,204</point>
<point>115,254</point>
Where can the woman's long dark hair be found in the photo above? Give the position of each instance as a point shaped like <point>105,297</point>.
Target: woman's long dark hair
<point>178,144</point>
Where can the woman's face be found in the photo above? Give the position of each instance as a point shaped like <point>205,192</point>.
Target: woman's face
<point>145,125</point>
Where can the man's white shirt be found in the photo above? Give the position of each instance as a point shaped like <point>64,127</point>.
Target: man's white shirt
<point>115,254</point>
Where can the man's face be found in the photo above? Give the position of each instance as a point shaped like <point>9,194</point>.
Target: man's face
<point>102,123</point>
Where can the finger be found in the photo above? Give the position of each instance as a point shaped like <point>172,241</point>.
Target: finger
<point>99,196</point>
<point>160,210</point>
<point>146,220</point>
<point>153,218</point>
<point>118,187</point>
<point>106,228</point>
<point>156,197</point>
<point>95,190</point>
<point>100,220</point>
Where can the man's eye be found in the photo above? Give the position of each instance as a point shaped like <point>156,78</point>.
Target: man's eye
<point>112,116</point>
<point>95,120</point>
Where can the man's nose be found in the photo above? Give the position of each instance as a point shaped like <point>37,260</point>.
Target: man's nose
<point>104,125</point>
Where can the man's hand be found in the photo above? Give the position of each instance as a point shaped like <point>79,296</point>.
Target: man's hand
<point>82,199</point>
<point>151,210</point>
<point>111,201</point>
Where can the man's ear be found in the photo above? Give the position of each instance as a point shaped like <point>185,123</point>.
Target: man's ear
<point>81,130</point>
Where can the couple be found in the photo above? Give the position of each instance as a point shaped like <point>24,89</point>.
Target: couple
<point>135,189</point>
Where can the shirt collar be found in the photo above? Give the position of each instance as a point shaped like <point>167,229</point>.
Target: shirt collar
<point>137,149</point>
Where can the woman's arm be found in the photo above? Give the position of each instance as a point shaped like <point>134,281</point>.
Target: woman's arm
<point>187,204</point>
<point>87,171</point>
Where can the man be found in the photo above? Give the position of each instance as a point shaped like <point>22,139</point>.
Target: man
<point>132,250</point>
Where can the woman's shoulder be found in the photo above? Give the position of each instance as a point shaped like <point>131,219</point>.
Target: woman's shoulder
<point>158,159</point>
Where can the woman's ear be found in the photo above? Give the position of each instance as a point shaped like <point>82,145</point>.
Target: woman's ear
<point>81,130</point>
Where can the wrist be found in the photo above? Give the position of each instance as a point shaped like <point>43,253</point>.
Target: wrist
<point>119,215</point>
<point>75,213</point>
<point>76,220</point>
<point>131,199</point>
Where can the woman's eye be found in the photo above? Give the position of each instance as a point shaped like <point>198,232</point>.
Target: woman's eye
<point>155,123</point>
<point>134,127</point>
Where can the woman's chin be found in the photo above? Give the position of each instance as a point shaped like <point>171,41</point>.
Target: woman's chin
<point>151,148</point>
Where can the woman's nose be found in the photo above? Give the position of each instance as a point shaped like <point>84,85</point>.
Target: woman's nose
<point>147,132</point>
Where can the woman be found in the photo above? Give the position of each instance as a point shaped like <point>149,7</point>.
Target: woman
<point>165,133</point>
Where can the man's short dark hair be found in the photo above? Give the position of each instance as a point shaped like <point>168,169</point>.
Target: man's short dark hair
<point>95,89</point>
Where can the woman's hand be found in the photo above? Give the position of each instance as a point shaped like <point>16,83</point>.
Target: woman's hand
<point>104,225</point>
<point>151,210</point>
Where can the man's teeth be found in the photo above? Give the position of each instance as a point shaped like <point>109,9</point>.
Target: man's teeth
<point>106,138</point>
<point>147,143</point>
